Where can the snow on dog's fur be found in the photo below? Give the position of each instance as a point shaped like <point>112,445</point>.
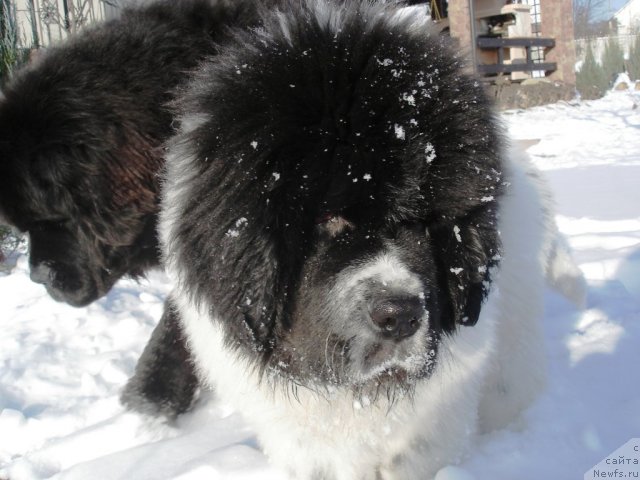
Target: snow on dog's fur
<point>358,255</point>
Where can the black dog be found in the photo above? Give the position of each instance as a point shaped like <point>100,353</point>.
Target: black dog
<point>81,135</point>
<point>339,206</point>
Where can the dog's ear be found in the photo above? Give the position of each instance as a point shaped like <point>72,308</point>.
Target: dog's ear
<point>465,252</point>
<point>239,245</point>
<point>257,286</point>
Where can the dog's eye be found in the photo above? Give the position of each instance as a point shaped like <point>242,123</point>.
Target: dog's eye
<point>334,225</point>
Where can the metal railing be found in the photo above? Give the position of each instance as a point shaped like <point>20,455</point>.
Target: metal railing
<point>44,22</point>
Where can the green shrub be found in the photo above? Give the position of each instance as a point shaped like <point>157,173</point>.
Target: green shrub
<point>10,243</point>
<point>591,81</point>
<point>633,64</point>
<point>9,53</point>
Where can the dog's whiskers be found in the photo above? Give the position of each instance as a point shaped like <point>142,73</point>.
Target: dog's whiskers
<point>333,354</point>
<point>327,361</point>
<point>343,355</point>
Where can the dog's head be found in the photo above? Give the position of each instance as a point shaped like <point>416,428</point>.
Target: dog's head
<point>332,196</point>
<point>82,186</point>
<point>80,141</point>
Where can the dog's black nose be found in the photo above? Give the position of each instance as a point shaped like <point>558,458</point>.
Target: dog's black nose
<point>40,273</point>
<point>397,318</point>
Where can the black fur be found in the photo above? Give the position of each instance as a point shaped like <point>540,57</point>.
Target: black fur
<point>81,135</point>
<point>311,124</point>
<point>164,378</point>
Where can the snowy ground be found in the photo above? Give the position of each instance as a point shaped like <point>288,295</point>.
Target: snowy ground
<point>61,368</point>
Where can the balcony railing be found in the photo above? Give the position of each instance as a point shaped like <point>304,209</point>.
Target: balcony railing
<point>506,64</point>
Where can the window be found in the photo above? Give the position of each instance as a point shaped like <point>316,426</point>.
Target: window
<point>535,15</point>
<point>537,53</point>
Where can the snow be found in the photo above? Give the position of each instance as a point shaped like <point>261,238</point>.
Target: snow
<point>430,152</point>
<point>456,232</point>
<point>239,225</point>
<point>61,369</point>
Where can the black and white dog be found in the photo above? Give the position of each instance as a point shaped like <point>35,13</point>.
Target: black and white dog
<point>359,256</point>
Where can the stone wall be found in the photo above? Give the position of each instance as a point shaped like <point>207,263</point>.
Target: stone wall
<point>557,22</point>
<point>459,25</point>
<point>530,93</point>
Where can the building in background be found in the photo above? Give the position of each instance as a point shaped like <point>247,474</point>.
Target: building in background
<point>508,37</point>
<point>628,18</point>
<point>515,40</point>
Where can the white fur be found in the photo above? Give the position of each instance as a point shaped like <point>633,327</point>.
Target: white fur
<point>386,269</point>
<point>517,371</point>
<point>562,272</point>
<point>180,175</point>
<point>413,19</point>
<point>336,432</point>
<point>488,372</point>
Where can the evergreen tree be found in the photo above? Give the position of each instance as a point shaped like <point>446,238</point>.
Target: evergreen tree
<point>591,80</point>
<point>612,60</point>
